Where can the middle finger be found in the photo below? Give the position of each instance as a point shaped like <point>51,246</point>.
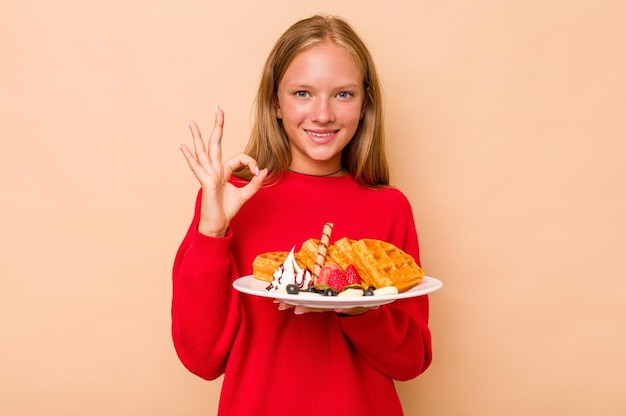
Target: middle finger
<point>215,141</point>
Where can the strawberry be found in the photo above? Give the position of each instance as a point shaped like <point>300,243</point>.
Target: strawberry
<point>352,275</point>
<point>336,279</point>
<point>322,279</point>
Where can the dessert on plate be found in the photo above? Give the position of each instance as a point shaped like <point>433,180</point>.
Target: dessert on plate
<point>356,267</point>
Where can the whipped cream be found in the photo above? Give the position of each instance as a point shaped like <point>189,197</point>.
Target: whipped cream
<point>290,273</point>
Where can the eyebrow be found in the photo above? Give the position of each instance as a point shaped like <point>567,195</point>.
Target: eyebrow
<point>341,87</point>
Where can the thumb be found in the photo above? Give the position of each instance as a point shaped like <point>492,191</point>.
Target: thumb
<point>253,186</point>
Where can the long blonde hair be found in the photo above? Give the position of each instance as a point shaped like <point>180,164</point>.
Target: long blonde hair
<point>364,156</point>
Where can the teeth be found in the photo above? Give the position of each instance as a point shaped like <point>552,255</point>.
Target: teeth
<point>319,134</point>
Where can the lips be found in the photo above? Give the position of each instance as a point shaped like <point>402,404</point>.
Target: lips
<point>321,136</point>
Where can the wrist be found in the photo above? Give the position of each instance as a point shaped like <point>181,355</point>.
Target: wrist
<point>211,232</point>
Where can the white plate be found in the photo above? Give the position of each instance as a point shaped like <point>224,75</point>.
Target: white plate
<point>250,285</point>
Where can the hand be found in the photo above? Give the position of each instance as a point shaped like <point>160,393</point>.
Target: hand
<point>299,310</point>
<point>221,200</point>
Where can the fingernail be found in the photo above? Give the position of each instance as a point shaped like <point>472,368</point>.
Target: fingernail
<point>217,109</point>
<point>297,311</point>
<point>256,171</point>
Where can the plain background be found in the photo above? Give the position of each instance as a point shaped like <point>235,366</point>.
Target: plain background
<point>506,124</point>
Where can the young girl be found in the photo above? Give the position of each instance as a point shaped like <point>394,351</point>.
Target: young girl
<point>316,155</point>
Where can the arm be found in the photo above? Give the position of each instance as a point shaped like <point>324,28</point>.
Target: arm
<point>395,338</point>
<point>205,315</point>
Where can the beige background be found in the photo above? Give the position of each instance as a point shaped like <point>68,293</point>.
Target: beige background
<point>507,133</point>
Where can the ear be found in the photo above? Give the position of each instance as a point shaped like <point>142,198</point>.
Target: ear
<point>276,105</point>
<point>363,109</point>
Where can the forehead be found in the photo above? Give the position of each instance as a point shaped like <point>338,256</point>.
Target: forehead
<point>323,62</point>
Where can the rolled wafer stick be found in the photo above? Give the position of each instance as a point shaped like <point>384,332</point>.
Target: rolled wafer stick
<point>322,249</point>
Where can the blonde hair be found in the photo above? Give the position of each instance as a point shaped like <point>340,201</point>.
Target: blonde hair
<point>364,156</point>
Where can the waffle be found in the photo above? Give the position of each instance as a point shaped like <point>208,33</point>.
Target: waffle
<point>382,264</point>
<point>264,265</point>
<point>341,252</point>
<point>307,255</point>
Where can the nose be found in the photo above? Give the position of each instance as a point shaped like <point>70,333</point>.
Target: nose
<point>322,111</point>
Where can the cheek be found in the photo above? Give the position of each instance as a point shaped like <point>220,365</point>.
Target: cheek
<point>293,114</point>
<point>351,116</point>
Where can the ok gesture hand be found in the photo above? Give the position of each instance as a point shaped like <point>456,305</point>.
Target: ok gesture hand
<point>221,200</point>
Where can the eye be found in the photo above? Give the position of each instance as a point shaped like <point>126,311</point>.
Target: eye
<point>345,94</point>
<point>301,94</point>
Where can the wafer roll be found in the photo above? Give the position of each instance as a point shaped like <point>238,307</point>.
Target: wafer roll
<point>322,249</point>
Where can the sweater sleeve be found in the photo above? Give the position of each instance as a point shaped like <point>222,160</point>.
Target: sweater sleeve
<point>395,338</point>
<point>205,313</point>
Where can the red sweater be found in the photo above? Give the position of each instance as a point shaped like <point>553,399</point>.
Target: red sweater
<point>279,363</point>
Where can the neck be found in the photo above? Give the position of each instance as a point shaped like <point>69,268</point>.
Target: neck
<point>312,174</point>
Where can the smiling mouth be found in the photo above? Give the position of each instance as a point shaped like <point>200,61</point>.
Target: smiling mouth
<point>321,135</point>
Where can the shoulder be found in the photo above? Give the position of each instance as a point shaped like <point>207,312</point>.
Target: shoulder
<point>393,193</point>
<point>388,195</point>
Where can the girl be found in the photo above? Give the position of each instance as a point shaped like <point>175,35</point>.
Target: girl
<point>316,155</point>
